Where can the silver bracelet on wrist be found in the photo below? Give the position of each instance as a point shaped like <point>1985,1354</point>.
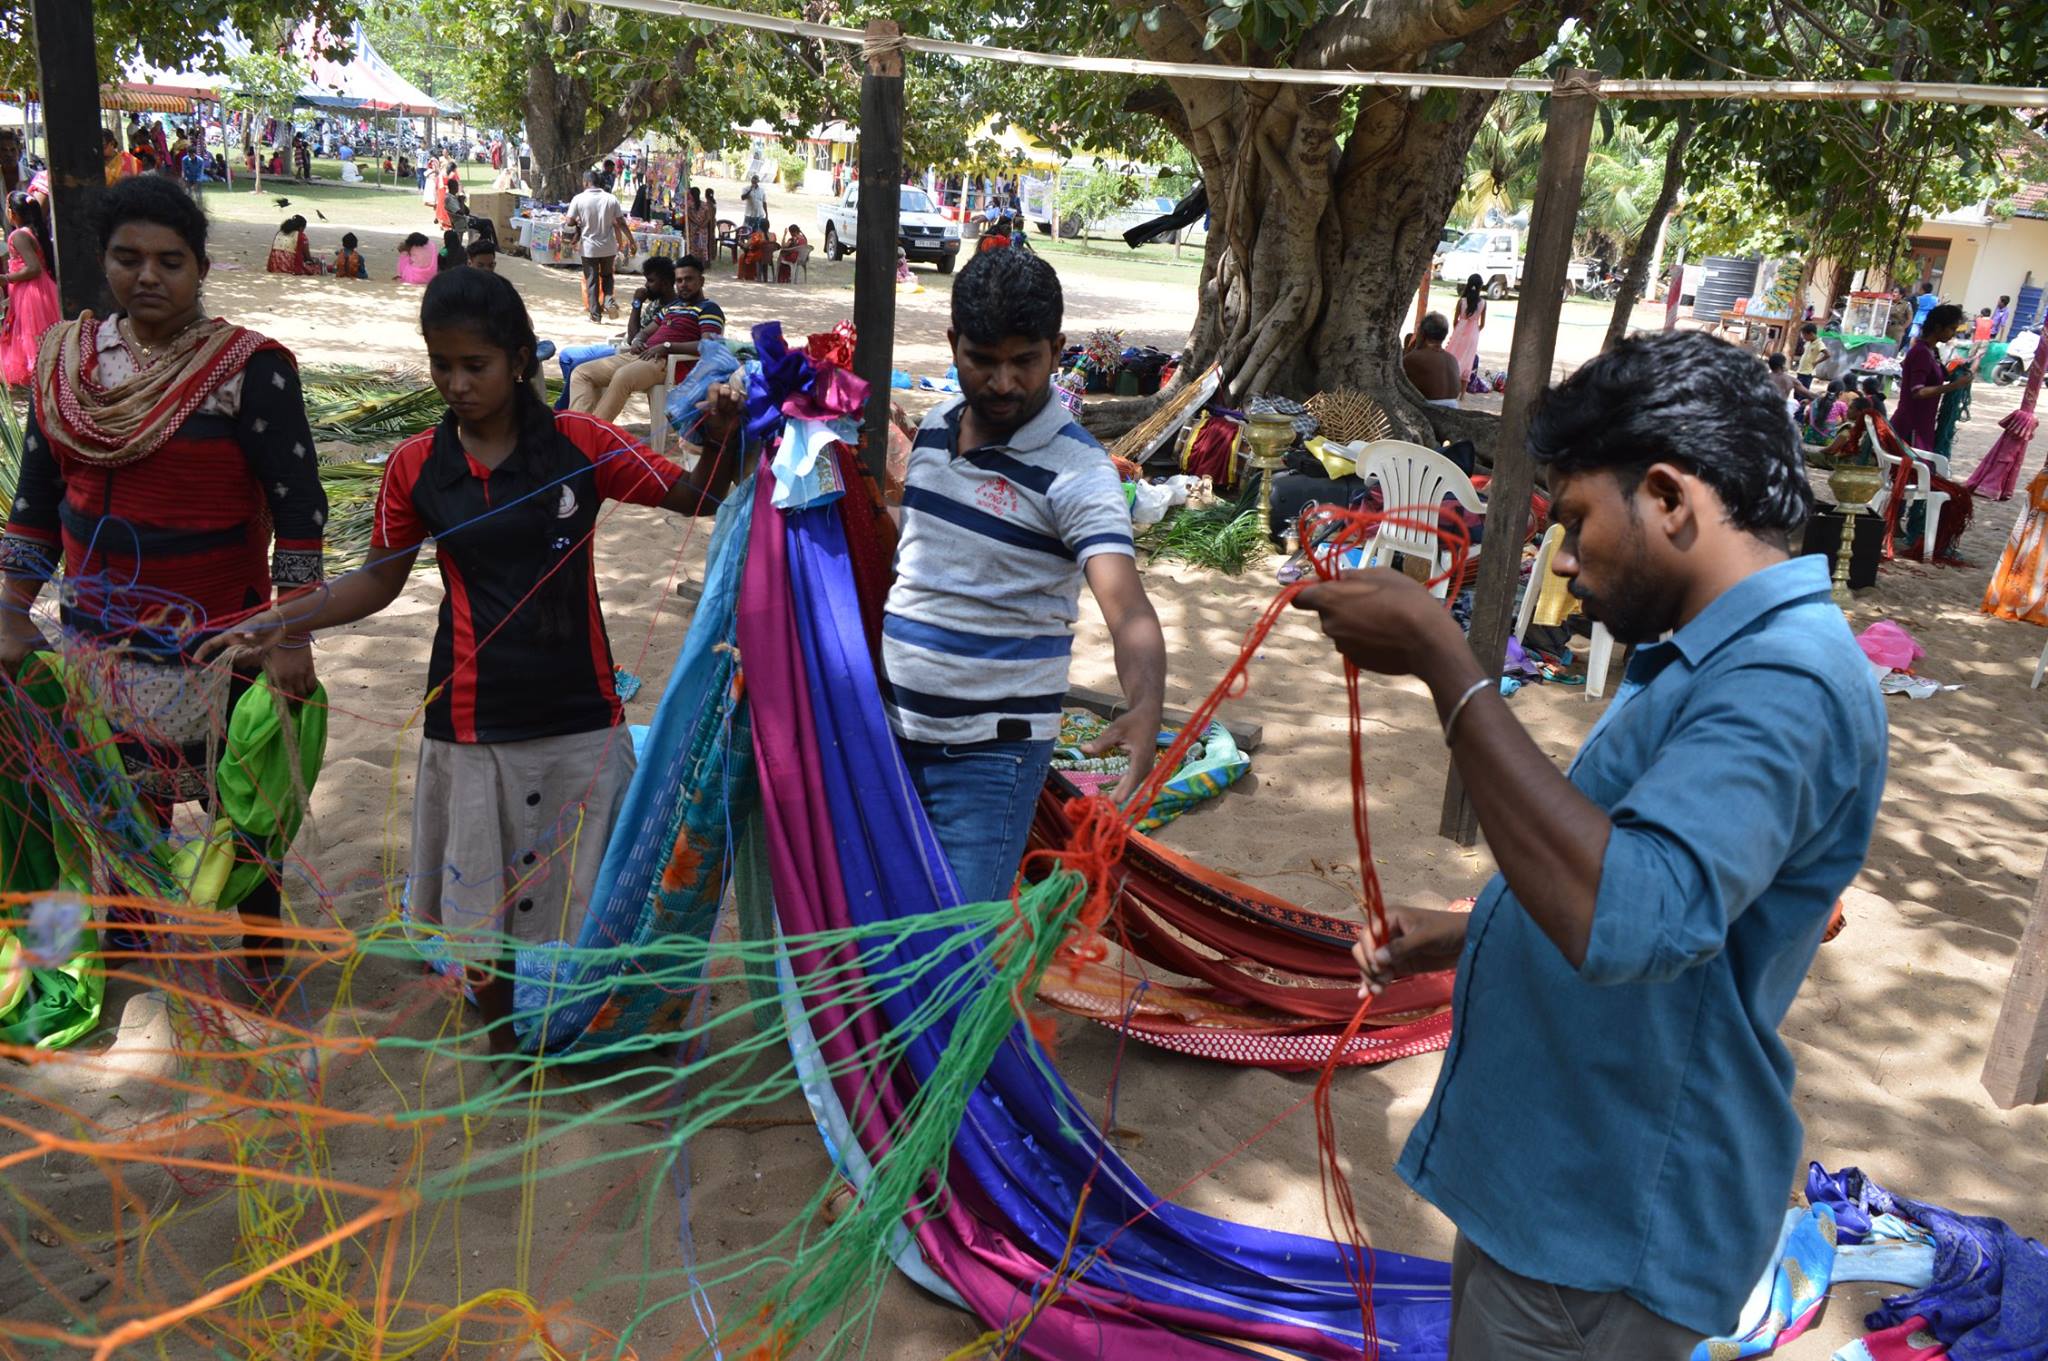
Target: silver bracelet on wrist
<point>1457,709</point>
<point>287,645</point>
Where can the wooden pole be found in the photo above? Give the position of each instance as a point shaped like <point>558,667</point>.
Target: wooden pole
<point>68,63</point>
<point>876,231</point>
<point>2019,1043</point>
<point>1567,138</point>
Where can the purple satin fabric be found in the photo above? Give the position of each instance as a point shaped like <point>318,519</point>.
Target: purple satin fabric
<point>834,795</point>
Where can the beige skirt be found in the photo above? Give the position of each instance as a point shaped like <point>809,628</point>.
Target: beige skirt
<point>507,838</point>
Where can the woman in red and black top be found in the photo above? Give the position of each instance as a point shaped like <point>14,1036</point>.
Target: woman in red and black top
<point>168,466</point>
<point>523,763</point>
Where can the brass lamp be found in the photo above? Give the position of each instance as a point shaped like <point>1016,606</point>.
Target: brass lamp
<point>1854,485</point>
<point>1270,434</point>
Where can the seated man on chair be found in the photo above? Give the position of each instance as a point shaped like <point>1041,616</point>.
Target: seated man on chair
<point>651,301</point>
<point>603,386</point>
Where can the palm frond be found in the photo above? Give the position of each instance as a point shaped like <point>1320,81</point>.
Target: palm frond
<point>1220,536</point>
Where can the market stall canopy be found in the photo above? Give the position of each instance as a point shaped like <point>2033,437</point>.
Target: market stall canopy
<point>361,82</point>
<point>137,94</point>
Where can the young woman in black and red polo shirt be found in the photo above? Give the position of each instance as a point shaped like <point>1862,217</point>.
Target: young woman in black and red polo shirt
<point>523,762</point>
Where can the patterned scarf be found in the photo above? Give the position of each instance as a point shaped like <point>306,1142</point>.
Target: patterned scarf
<point>129,421</point>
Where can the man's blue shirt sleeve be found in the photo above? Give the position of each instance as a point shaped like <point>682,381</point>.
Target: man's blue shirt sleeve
<point>1752,769</point>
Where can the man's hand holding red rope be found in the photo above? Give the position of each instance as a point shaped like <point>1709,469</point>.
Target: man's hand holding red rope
<point>1384,621</point>
<point>1420,940</point>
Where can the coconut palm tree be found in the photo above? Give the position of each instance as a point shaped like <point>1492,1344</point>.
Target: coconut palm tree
<point>1501,167</point>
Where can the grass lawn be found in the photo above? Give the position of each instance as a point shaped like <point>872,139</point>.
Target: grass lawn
<point>355,205</point>
<point>1113,259</point>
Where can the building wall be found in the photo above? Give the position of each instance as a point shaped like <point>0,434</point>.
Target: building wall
<point>2010,253</point>
<point>1988,260</point>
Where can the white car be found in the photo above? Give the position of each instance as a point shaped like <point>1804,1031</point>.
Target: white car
<point>1495,255</point>
<point>924,233</point>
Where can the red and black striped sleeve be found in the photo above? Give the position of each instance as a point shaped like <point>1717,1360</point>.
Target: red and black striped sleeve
<point>398,524</point>
<point>627,470</point>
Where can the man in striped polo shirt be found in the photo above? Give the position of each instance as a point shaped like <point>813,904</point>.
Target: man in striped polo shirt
<point>1007,505</point>
<point>602,387</point>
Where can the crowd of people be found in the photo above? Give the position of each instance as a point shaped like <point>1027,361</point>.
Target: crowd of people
<point>164,461</point>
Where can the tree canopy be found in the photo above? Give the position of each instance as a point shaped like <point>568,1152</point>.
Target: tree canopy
<point>169,36</point>
<point>1325,201</point>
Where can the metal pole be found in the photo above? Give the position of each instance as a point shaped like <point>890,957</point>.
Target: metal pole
<point>875,233</point>
<point>1567,139</point>
<point>69,64</point>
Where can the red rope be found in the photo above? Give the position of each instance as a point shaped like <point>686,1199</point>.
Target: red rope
<point>1101,829</point>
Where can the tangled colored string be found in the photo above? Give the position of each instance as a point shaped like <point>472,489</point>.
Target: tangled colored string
<point>243,1112</point>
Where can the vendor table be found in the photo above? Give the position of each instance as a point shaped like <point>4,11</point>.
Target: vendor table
<point>542,236</point>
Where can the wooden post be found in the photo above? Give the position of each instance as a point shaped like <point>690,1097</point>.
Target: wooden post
<point>69,65</point>
<point>1567,138</point>
<point>875,233</point>
<point>2019,1043</point>
<point>1422,302</point>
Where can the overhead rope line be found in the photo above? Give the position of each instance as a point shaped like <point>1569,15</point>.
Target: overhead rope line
<point>1883,91</point>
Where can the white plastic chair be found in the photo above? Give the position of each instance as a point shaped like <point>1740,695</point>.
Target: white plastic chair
<point>2039,667</point>
<point>1939,461</point>
<point>1922,490</point>
<point>1599,661</point>
<point>798,264</point>
<point>1418,480</point>
<point>658,429</point>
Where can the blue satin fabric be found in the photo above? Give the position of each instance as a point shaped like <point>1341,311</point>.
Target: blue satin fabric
<point>692,746</point>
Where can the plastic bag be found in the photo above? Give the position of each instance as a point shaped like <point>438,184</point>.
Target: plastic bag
<point>1890,646</point>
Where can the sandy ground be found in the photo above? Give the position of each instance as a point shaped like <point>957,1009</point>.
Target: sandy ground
<point>1889,1032</point>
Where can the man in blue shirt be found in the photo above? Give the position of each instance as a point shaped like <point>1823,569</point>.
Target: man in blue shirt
<point>1922,305</point>
<point>1612,1130</point>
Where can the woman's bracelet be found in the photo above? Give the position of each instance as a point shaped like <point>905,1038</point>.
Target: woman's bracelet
<point>290,644</point>
<point>1458,709</point>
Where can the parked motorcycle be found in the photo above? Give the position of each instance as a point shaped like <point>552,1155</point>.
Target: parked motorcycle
<point>1603,287</point>
<point>2018,356</point>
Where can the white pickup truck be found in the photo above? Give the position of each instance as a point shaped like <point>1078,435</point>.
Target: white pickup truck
<point>1495,255</point>
<point>924,233</point>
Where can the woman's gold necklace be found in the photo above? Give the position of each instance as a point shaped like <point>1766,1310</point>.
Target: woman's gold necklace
<point>150,352</point>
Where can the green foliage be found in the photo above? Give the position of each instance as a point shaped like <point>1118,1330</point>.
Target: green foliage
<point>1221,536</point>
<point>418,49</point>
<point>1500,168</point>
<point>13,428</point>
<point>1844,180</point>
<point>1088,196</point>
<point>1623,173</point>
<point>264,84</point>
<point>794,165</point>
<point>1178,173</point>
<point>174,37</point>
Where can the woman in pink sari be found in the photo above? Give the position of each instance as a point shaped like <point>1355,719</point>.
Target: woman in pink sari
<point>1465,327</point>
<point>416,263</point>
